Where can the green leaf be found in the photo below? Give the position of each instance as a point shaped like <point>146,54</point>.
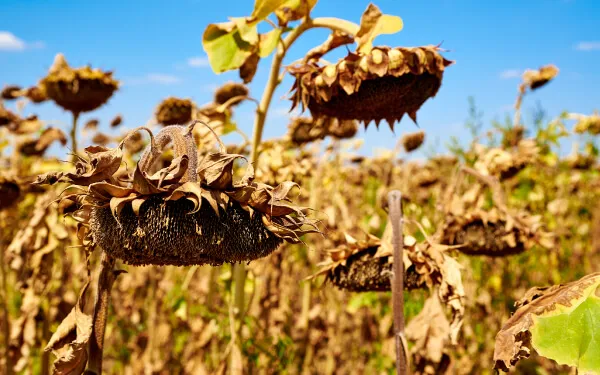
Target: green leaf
<point>262,8</point>
<point>225,47</point>
<point>571,335</point>
<point>374,23</point>
<point>268,42</point>
<point>563,323</point>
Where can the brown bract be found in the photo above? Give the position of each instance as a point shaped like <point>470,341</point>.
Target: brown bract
<point>384,83</point>
<point>173,111</point>
<point>185,213</point>
<point>513,342</point>
<point>80,89</point>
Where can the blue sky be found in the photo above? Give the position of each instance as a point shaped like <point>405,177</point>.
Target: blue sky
<point>154,48</point>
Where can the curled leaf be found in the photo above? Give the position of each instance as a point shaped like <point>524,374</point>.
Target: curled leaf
<point>74,332</point>
<point>374,23</point>
<point>560,322</point>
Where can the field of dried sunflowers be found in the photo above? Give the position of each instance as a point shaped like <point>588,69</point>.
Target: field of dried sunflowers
<point>118,262</point>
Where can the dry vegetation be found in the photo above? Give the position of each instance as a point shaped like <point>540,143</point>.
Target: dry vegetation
<point>114,261</point>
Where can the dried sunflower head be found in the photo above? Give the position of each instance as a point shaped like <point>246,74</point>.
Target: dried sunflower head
<point>80,89</point>
<point>305,129</point>
<point>9,191</point>
<point>497,231</point>
<point>10,92</point>
<point>363,266</point>
<point>236,92</point>
<point>173,111</point>
<point>342,129</point>
<point>36,94</point>
<point>38,147</point>
<point>101,139</point>
<point>589,124</point>
<point>118,120</point>
<point>505,164</point>
<point>7,117</point>
<point>511,137</point>
<point>534,79</point>
<point>186,213</point>
<point>412,141</point>
<point>384,83</point>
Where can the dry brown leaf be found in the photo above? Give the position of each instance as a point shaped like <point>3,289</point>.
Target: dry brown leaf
<point>430,330</point>
<point>74,332</point>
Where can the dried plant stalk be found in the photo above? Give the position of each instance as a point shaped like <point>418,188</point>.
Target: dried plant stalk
<point>397,279</point>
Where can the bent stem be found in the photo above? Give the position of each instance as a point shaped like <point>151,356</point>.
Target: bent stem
<point>239,272</point>
<point>73,135</point>
<point>397,279</point>
<point>106,279</point>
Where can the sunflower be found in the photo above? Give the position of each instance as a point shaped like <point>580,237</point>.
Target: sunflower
<point>305,129</point>
<point>384,83</point>
<point>173,111</point>
<point>231,92</point>
<point>9,191</point>
<point>362,266</point>
<point>495,231</point>
<point>76,90</point>
<point>186,213</point>
<point>412,141</point>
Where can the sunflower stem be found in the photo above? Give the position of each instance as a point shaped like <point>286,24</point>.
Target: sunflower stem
<point>239,270</point>
<point>106,279</point>
<point>397,279</point>
<point>74,136</point>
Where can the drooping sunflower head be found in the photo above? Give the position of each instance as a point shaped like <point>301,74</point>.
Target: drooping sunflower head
<point>589,124</point>
<point>75,89</point>
<point>382,84</point>
<point>364,266</point>
<point>9,191</point>
<point>534,79</point>
<point>232,92</point>
<point>492,231</point>
<point>186,213</point>
<point>412,141</point>
<point>173,111</point>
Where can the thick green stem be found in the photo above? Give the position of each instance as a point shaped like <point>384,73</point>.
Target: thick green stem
<point>73,135</point>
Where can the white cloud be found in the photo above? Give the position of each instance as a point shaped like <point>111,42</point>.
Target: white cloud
<point>511,73</point>
<point>161,79</point>
<point>587,46</point>
<point>198,62</point>
<point>10,42</point>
